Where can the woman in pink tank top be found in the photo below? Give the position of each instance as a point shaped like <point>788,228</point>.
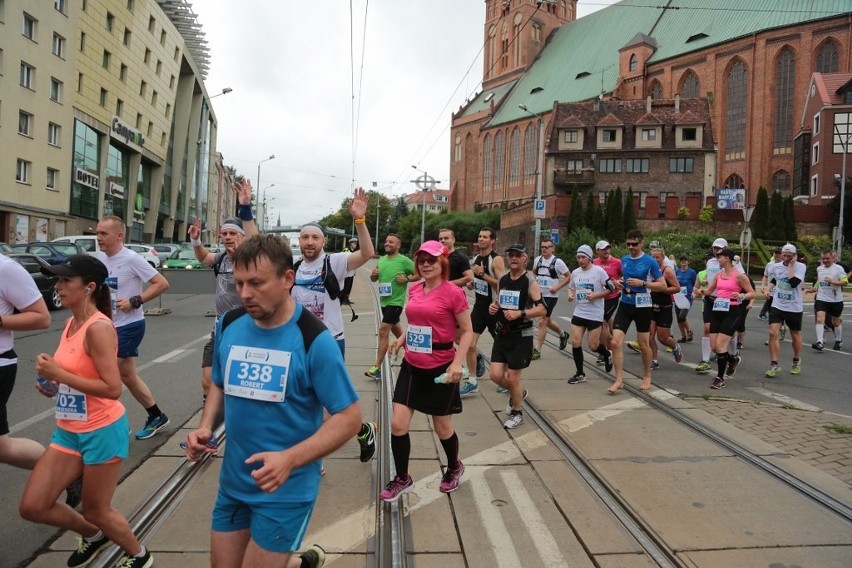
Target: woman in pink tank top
<point>92,433</point>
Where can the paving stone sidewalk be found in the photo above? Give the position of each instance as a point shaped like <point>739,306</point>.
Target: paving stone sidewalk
<point>803,434</point>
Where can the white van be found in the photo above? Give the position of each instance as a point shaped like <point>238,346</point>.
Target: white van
<point>89,243</point>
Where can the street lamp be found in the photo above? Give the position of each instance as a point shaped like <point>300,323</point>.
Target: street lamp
<point>225,91</point>
<point>424,183</point>
<point>540,173</point>
<point>266,209</point>
<point>271,157</point>
<point>839,250</point>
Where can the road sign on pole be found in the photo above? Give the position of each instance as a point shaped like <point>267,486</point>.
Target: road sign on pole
<point>539,210</point>
<point>745,237</point>
<point>554,236</point>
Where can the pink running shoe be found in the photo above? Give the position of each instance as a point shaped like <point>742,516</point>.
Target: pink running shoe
<point>396,488</point>
<point>450,481</point>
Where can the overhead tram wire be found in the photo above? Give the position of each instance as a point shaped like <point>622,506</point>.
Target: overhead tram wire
<point>360,88</point>
<point>710,9</point>
<point>352,89</point>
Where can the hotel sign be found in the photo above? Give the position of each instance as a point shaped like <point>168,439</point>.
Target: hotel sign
<point>123,131</point>
<point>86,178</point>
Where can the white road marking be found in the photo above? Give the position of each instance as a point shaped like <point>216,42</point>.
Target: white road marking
<point>785,399</point>
<point>545,543</point>
<point>172,356</point>
<point>498,535</point>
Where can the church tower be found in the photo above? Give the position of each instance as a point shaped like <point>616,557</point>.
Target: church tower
<point>515,33</point>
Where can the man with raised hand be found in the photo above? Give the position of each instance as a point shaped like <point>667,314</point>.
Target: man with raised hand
<point>787,278</point>
<point>128,273</point>
<point>552,275</point>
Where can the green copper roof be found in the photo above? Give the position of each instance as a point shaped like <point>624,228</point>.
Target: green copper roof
<point>479,103</point>
<point>581,60</point>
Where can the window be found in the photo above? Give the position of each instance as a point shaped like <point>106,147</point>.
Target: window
<point>661,212</point>
<point>55,90</point>
<point>656,90</point>
<point>649,134</point>
<point>127,35</point>
<point>690,87</point>
<point>154,98</point>
<point>609,166</point>
<point>162,37</point>
<point>637,165</point>
<point>27,76</point>
<point>827,60</point>
<point>50,180</point>
<point>530,153</point>
<point>487,163</point>
<point>781,182</point>
<point>58,48</point>
<point>147,58</point>
<point>602,198</point>
<point>106,59</point>
<point>103,98</point>
<point>119,107</point>
<point>22,172</point>
<point>79,82</point>
<point>54,133</point>
<point>634,62</point>
<point>130,5</point>
<point>110,20</point>
<point>815,154</point>
<point>59,5</point>
<point>689,133</point>
<point>814,185</point>
<point>736,111</point>
<point>499,159</point>
<point>122,72</point>
<point>571,136</point>
<point>172,82</point>
<point>735,181</point>
<point>610,135</point>
<point>816,124</point>
<point>25,123</point>
<point>458,140</point>
<point>457,146</point>
<point>681,165</point>
<point>152,24</point>
<point>138,120</point>
<point>177,53</point>
<point>574,166</point>
<point>150,129</point>
<point>515,158</point>
<point>82,41</point>
<point>785,77</point>
<point>29,27</point>
<point>159,67</point>
<point>143,87</point>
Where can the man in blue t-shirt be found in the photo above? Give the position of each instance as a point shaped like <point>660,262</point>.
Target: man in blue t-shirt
<point>641,276</point>
<point>275,368</point>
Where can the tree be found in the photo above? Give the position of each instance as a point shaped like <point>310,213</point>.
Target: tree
<point>789,222</point>
<point>400,210</point>
<point>576,217</point>
<point>760,217</point>
<point>776,214</point>
<point>615,216</point>
<point>598,225</point>
<point>593,219</point>
<point>629,216</point>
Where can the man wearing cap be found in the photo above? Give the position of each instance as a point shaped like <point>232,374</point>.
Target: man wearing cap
<point>488,268</point>
<point>552,275</point>
<point>232,231</point>
<point>350,278</point>
<point>612,266</point>
<point>588,285</point>
<point>828,287</point>
<point>787,277</point>
<point>518,301</point>
<point>128,273</point>
<point>765,289</point>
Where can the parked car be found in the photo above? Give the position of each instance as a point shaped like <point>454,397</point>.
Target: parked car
<point>89,243</point>
<point>148,252</point>
<point>184,258</point>
<point>44,282</point>
<point>165,250</point>
<point>53,253</point>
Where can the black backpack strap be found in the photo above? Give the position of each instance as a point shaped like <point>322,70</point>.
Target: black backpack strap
<point>231,315</point>
<point>218,264</point>
<point>310,326</point>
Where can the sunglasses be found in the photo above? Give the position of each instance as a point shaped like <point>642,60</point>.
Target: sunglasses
<point>633,244</point>
<point>547,246</point>
<point>430,260</point>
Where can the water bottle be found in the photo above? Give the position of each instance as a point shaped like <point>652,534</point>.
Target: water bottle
<point>444,379</point>
<point>51,387</point>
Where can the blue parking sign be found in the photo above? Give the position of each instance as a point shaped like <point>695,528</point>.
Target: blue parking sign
<point>554,236</point>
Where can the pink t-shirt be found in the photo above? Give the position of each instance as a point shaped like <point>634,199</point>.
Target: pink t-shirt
<point>612,267</point>
<point>432,313</point>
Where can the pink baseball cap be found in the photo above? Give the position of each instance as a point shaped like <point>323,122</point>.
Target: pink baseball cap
<point>433,248</point>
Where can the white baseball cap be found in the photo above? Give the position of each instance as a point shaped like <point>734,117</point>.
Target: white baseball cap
<point>720,242</point>
<point>789,248</point>
<point>601,245</point>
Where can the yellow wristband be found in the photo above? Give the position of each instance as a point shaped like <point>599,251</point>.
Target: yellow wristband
<point>360,221</point>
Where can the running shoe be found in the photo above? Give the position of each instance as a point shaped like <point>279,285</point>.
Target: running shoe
<point>838,345</point>
<point>509,409</point>
<point>536,354</point>
<point>450,481</point>
<point>563,340</point>
<point>740,345</point>
<point>374,373</point>
<point>600,360</point>
<point>796,369</point>
<point>689,336</point>
<point>634,346</point>
<point>152,426</point>
<point>655,364</point>
<point>480,365</point>
<point>396,488</point>
<point>576,379</point>
<point>608,361</point>
<point>144,561</point>
<point>86,551</point>
<point>763,317</point>
<point>718,383</point>
<point>367,441</point>
<point>74,493</point>
<point>732,365</point>
<point>469,389</point>
<point>702,367</point>
<point>782,333</point>
<point>314,557</point>
<point>773,370</point>
<point>818,346</point>
<point>502,390</point>
<point>678,353</point>
<point>514,420</point>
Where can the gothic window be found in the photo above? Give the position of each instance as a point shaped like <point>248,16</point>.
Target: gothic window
<point>634,63</point>
<point>781,182</point>
<point>690,86</point>
<point>734,181</point>
<point>827,60</point>
<point>487,164</point>
<point>656,90</point>
<point>504,43</point>
<point>516,39</point>
<point>515,158</point>
<point>499,159</point>
<point>457,154</point>
<point>530,153</point>
<point>492,49</point>
<point>785,77</point>
<point>736,111</point>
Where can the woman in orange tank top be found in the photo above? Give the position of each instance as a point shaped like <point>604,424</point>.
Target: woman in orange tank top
<point>92,434</point>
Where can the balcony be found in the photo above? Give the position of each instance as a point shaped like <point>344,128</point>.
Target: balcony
<point>580,178</point>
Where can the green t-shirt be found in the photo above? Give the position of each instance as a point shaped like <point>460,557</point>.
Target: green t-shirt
<point>702,278</point>
<point>389,269</point>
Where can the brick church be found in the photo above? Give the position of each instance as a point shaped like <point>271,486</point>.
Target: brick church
<point>688,103</point>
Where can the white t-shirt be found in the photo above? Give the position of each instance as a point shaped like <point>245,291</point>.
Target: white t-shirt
<point>310,292</point>
<point>768,273</point>
<point>17,291</point>
<point>541,269</point>
<point>829,292</point>
<point>586,282</point>
<point>787,298</point>
<point>128,272</point>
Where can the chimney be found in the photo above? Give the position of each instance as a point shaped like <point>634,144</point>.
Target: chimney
<point>648,104</point>
<point>677,103</point>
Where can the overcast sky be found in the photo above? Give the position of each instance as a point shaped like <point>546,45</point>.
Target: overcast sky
<point>295,94</point>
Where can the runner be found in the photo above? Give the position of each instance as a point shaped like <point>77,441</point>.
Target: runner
<point>831,278</point>
<point>765,288</point>
<point>460,271</point>
<point>787,277</point>
<point>612,266</point>
<point>552,275</point>
<point>661,309</point>
<point>687,279</point>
